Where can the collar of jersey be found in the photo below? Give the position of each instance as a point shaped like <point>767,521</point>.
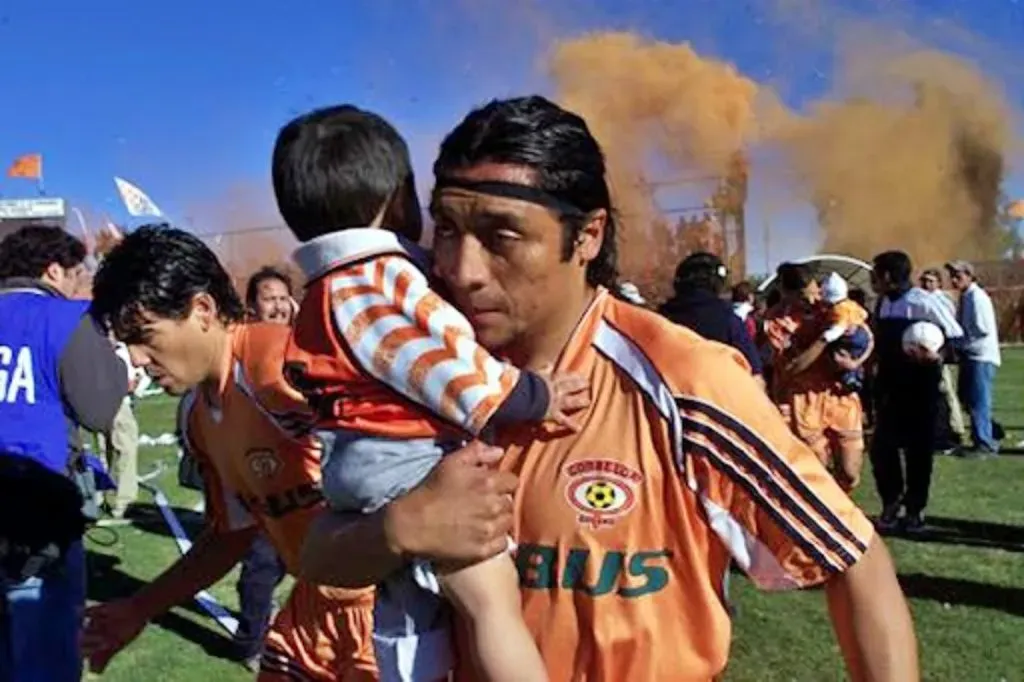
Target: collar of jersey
<point>319,256</point>
<point>28,285</point>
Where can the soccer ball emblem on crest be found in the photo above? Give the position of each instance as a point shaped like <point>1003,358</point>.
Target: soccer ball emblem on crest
<point>263,463</point>
<point>601,491</point>
<point>601,495</point>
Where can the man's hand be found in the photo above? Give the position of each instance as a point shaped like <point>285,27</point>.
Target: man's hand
<point>923,355</point>
<point>109,628</point>
<point>462,512</point>
<point>568,393</point>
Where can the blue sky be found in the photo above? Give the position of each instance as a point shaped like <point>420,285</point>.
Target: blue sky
<point>184,98</point>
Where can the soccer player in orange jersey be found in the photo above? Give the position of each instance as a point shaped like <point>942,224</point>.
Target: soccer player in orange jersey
<point>823,410</point>
<point>681,464</point>
<point>164,294</point>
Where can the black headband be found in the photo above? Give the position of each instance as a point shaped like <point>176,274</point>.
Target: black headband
<point>510,190</point>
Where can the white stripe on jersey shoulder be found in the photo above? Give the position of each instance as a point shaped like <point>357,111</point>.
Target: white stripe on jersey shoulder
<point>628,356</point>
<point>243,384</point>
<point>749,553</point>
<point>331,251</point>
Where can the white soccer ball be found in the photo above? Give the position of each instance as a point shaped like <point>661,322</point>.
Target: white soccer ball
<point>924,335</point>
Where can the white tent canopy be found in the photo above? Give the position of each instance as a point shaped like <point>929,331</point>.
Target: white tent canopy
<point>856,272</point>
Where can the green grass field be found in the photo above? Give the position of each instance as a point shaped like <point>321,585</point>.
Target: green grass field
<point>965,580</point>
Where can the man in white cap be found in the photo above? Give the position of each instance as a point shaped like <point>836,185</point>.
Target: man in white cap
<point>979,356</point>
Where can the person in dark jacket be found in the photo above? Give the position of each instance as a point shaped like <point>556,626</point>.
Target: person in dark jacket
<point>58,372</point>
<point>907,392</point>
<point>698,305</point>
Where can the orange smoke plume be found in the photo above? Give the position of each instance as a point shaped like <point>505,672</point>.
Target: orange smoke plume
<point>910,155</point>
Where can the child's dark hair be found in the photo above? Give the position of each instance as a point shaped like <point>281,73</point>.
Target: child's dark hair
<point>336,168</point>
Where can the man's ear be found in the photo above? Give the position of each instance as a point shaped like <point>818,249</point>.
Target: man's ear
<point>53,274</point>
<point>591,236</point>
<point>204,310</point>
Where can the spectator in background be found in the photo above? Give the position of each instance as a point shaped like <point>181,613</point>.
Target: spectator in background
<point>269,296</point>
<point>979,356</point>
<point>60,372</point>
<point>931,281</point>
<point>698,305</point>
<point>906,392</point>
<point>952,431</point>
<point>119,448</point>
<point>743,305</point>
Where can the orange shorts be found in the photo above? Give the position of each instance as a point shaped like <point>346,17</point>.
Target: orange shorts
<point>322,633</point>
<point>827,422</point>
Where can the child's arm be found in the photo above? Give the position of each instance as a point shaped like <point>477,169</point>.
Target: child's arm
<point>408,337</point>
<point>486,596</point>
<point>803,360</point>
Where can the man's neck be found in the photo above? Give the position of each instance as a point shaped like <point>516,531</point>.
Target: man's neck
<point>220,365</point>
<point>543,347</point>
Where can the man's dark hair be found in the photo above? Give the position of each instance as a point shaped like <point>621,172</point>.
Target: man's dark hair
<point>701,270</point>
<point>335,168</point>
<point>33,248</point>
<point>265,274</point>
<point>742,292</point>
<point>557,145</point>
<point>158,269</point>
<point>895,267</point>
<point>793,277</point>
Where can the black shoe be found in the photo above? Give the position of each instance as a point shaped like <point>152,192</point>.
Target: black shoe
<point>889,519</point>
<point>913,524</point>
<point>977,454</point>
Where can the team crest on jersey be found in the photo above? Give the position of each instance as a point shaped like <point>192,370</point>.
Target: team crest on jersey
<point>601,491</point>
<point>263,463</point>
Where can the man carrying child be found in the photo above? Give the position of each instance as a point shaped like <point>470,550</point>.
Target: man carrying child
<point>821,341</point>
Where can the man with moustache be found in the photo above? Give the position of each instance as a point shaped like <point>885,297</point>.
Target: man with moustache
<point>680,466</point>
<point>268,297</point>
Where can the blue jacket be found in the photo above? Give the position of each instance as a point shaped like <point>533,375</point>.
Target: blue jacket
<point>57,372</point>
<point>711,317</point>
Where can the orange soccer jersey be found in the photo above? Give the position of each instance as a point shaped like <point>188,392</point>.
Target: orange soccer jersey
<point>378,352</point>
<point>262,466</point>
<point>790,328</point>
<point>820,412</point>
<point>626,529</point>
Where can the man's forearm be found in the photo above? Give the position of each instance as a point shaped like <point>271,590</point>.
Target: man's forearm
<point>872,621</point>
<point>803,361</point>
<point>211,558</point>
<point>346,550</point>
